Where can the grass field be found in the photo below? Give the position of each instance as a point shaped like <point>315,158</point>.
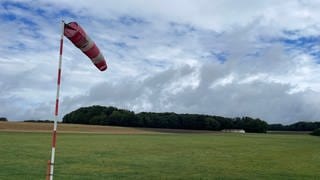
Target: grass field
<point>23,155</point>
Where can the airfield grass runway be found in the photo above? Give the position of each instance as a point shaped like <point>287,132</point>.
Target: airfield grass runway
<point>95,152</point>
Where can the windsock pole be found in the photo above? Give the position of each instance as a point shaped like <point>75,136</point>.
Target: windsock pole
<point>56,112</point>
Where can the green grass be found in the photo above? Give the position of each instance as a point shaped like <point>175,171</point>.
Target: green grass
<point>162,156</point>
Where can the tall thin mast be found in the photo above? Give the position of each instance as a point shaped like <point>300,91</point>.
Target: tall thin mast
<point>56,112</point>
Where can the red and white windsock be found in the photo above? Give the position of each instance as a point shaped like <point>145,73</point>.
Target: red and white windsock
<point>81,40</point>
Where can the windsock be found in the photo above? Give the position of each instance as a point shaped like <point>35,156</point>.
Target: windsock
<point>81,40</point>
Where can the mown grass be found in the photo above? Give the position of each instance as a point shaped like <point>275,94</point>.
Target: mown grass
<point>160,156</point>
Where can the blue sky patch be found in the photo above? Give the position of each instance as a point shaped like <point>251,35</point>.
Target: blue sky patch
<point>220,56</point>
<point>129,20</point>
<point>306,44</point>
<point>121,44</point>
<point>181,29</point>
<point>302,42</point>
<point>8,17</point>
<point>8,5</point>
<point>133,37</point>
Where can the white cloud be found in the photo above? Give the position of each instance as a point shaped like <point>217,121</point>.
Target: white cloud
<point>217,57</point>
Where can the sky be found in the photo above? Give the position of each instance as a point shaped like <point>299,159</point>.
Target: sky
<point>227,58</point>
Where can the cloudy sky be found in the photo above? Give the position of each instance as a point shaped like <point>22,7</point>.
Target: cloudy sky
<point>228,58</point>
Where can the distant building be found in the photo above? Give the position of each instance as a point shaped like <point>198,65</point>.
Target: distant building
<point>234,130</point>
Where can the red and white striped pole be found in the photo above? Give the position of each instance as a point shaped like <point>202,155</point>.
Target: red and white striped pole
<point>56,113</point>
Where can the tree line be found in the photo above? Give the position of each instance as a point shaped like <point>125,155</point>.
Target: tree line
<point>3,119</point>
<point>298,126</point>
<point>100,115</point>
<point>39,121</point>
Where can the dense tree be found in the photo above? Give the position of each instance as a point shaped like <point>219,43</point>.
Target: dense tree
<point>276,127</point>
<point>39,121</point>
<point>298,126</point>
<point>3,119</point>
<point>99,115</point>
<point>254,125</point>
<point>213,124</point>
<point>303,126</point>
<point>316,132</point>
<point>98,119</point>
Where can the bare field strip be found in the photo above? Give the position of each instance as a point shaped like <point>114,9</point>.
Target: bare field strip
<point>73,128</point>
<point>78,128</point>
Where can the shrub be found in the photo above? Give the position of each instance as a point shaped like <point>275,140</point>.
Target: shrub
<point>3,119</point>
<point>316,132</point>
